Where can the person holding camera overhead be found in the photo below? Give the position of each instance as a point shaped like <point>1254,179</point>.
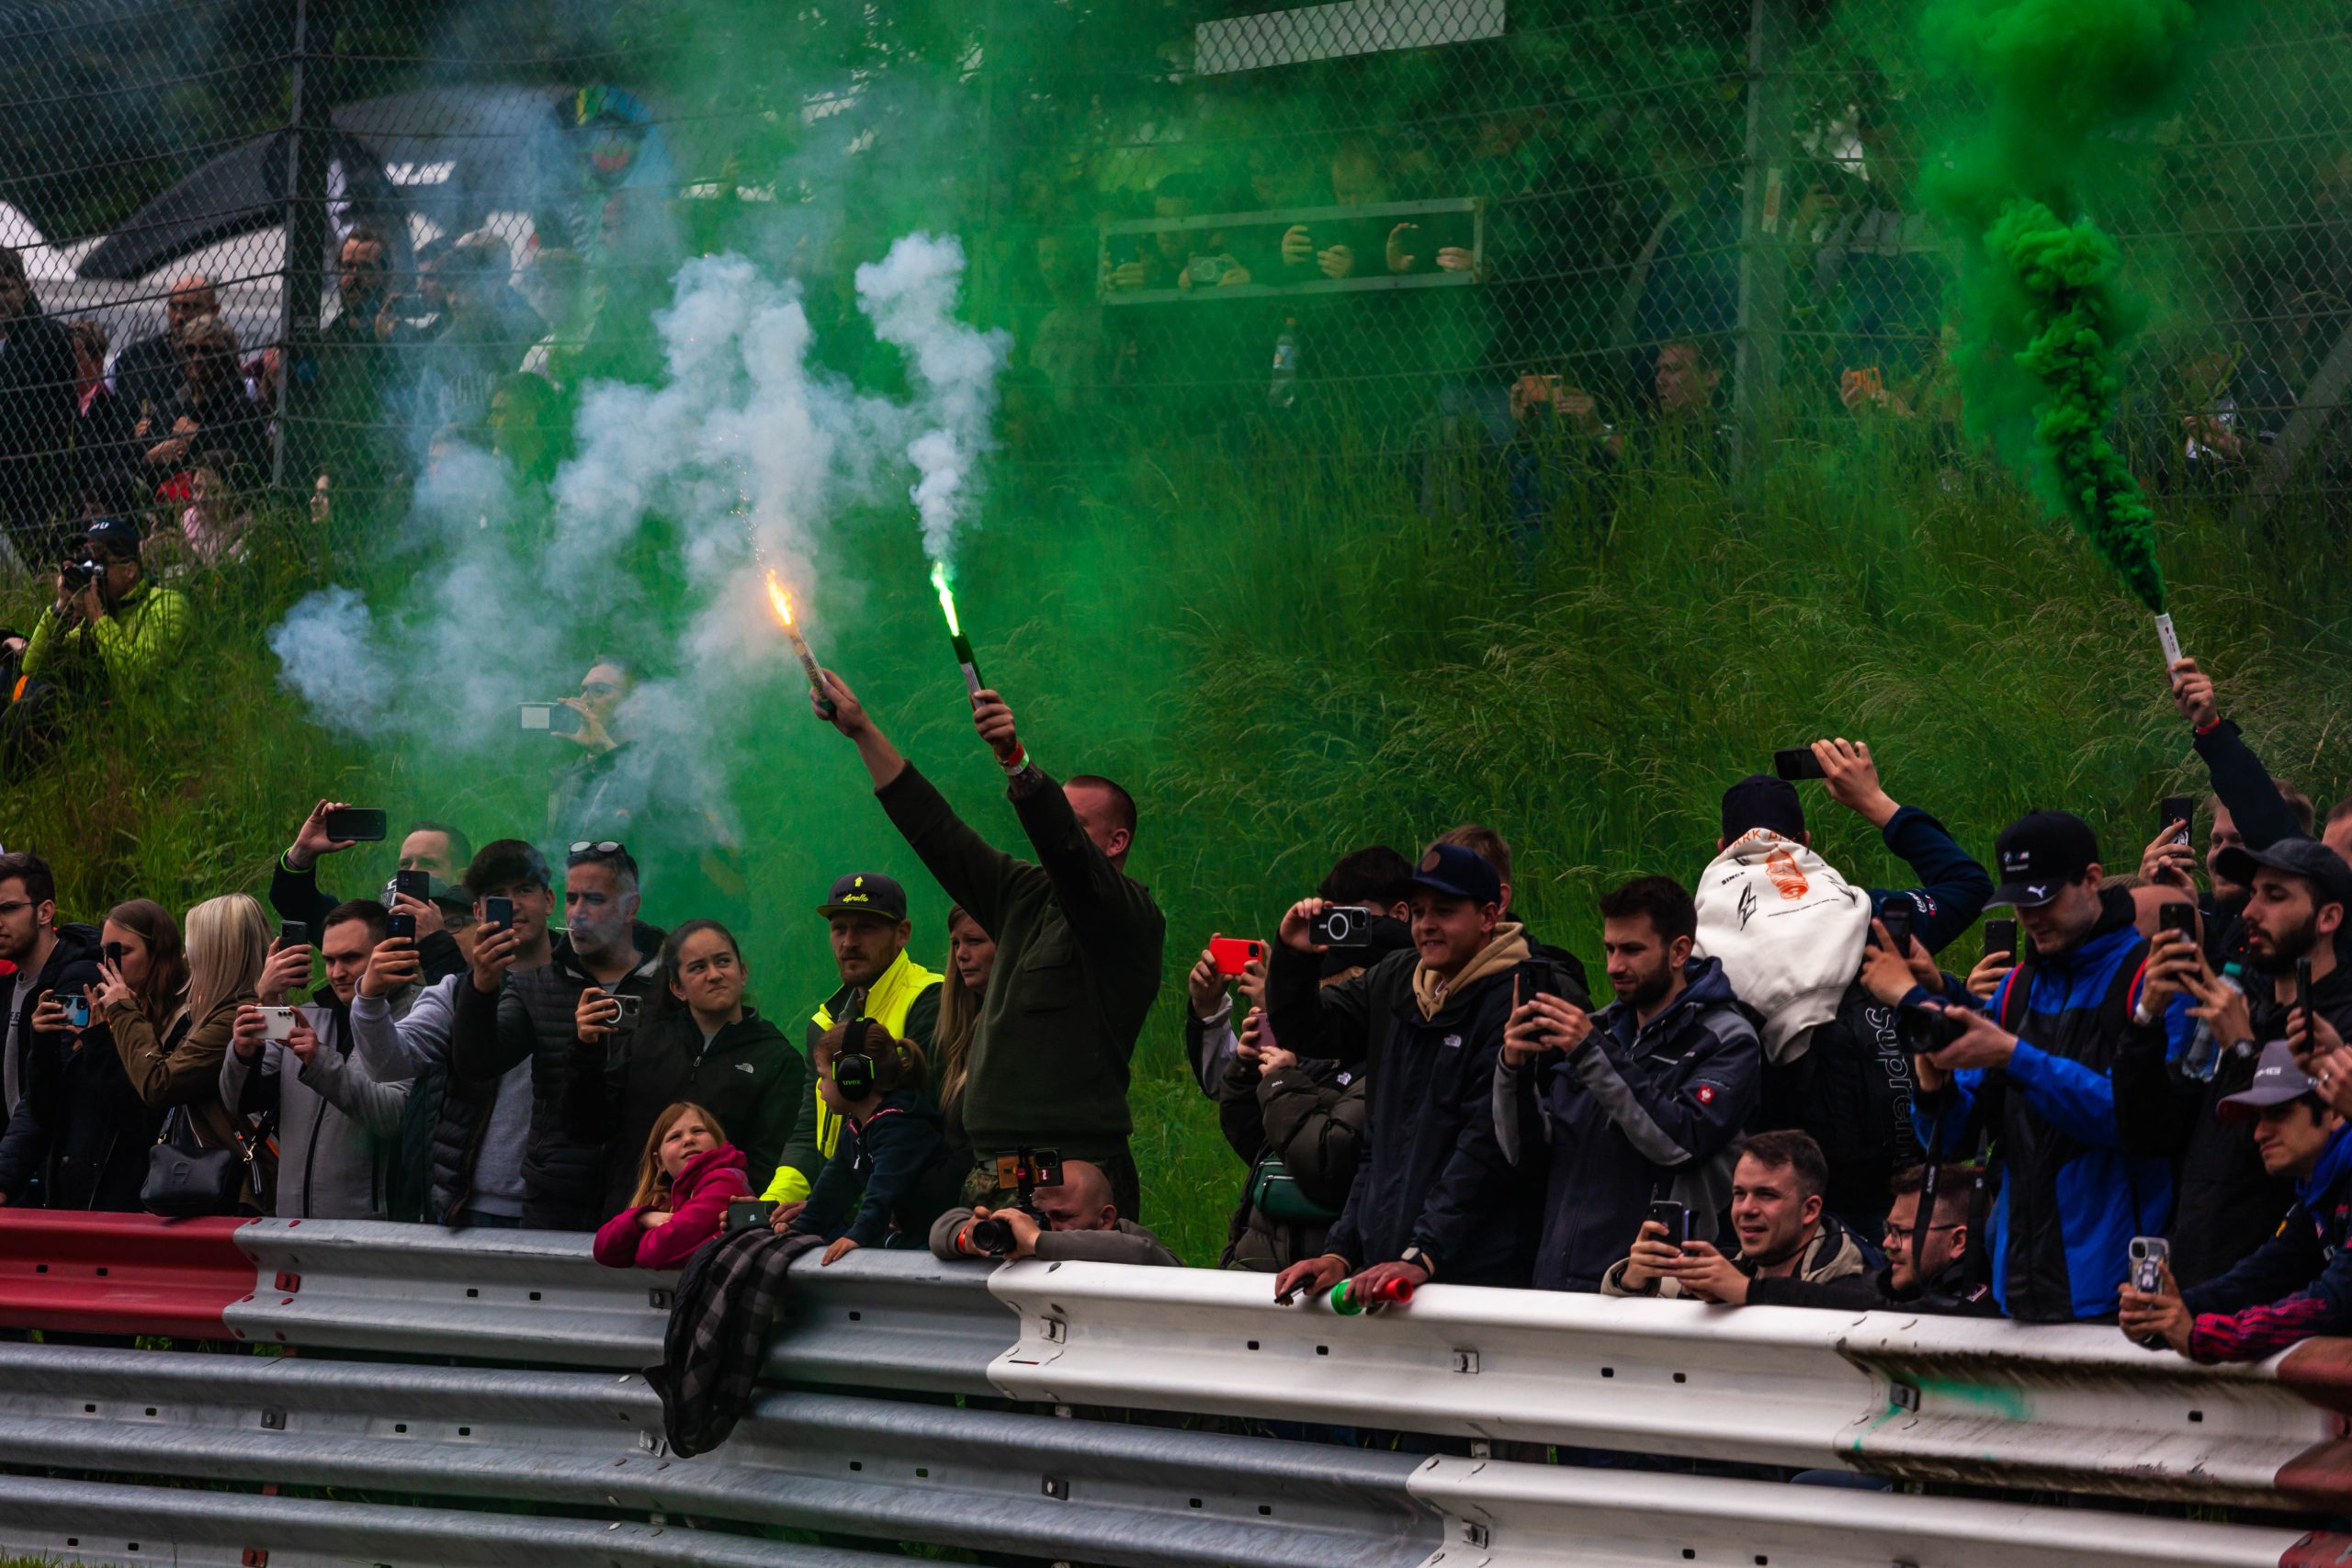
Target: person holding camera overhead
<point>109,626</point>
<point>508,1013</point>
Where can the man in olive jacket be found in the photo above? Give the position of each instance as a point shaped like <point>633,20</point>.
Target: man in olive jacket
<point>1078,943</point>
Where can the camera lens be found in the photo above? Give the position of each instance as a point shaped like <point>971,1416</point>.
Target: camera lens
<point>992,1235</point>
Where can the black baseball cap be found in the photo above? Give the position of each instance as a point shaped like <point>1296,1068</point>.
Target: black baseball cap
<point>116,536</point>
<point>1759,800</point>
<point>866,893</point>
<point>2277,1080</point>
<point>2039,854</point>
<point>2331,879</point>
<point>1459,873</point>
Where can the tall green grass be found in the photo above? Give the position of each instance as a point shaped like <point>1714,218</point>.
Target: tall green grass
<point>1286,658</point>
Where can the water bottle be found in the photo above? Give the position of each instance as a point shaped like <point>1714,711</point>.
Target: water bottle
<point>1282,390</point>
<point>2204,1052</point>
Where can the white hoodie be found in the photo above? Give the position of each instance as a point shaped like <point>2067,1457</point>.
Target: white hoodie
<point>1789,930</point>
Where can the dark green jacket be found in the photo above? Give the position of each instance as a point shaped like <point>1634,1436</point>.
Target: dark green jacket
<point>1078,946</point>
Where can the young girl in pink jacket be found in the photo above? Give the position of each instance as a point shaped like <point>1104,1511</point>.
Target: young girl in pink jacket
<point>689,1174</point>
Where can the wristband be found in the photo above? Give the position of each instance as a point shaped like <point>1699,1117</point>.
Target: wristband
<point>2208,727</point>
<point>1014,763</point>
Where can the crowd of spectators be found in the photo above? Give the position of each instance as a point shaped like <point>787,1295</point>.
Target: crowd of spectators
<point>2129,1106</point>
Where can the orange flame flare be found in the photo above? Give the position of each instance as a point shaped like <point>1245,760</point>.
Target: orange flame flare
<point>780,599</point>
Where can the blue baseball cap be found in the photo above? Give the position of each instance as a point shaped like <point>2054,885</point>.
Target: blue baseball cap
<point>1459,873</point>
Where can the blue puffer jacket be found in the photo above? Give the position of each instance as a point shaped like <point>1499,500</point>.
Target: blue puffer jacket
<point>2070,1202</point>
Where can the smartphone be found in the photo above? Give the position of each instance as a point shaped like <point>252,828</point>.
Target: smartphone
<point>78,1011</point>
<point>2180,916</point>
<point>1896,917</point>
<point>1797,762</point>
<point>497,914</point>
<point>115,951</point>
<point>1675,1215</point>
<point>2000,936</point>
<point>630,1006</point>
<point>748,1213</point>
<point>2177,809</point>
<point>550,719</point>
<point>1231,954</point>
<point>293,933</point>
<point>359,824</point>
<point>417,885</point>
<point>2303,994</point>
<point>280,1024</point>
<point>400,925</point>
<point>1342,925</point>
<point>2149,1256</point>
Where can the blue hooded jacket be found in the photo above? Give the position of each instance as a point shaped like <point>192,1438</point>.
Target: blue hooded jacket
<point>2070,1201</point>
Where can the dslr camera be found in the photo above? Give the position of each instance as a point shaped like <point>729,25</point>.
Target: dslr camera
<point>78,574</point>
<point>1024,1171</point>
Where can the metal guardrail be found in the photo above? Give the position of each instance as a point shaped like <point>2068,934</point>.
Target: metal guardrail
<point>895,1443</point>
<point>118,1274</point>
<point>2071,1409</point>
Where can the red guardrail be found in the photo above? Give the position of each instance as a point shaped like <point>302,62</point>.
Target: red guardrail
<point>92,1273</point>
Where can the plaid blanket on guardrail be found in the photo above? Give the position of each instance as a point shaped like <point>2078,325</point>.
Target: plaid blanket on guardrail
<point>730,1297</point>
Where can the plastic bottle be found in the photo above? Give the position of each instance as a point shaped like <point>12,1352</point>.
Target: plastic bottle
<point>1349,1302</point>
<point>2204,1052</point>
<point>1282,390</point>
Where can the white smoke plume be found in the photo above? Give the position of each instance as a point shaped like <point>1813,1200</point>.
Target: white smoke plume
<point>746,456</point>
<point>910,294</point>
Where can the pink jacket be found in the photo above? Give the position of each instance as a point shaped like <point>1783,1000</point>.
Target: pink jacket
<point>698,1201</point>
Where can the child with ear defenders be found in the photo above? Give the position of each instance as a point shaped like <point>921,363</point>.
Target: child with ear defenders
<point>891,1165</point>
<point>688,1177</point>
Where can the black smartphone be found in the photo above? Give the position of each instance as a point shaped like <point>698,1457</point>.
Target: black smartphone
<point>1896,918</point>
<point>630,1006</point>
<point>1341,925</point>
<point>400,925</point>
<point>356,824</point>
<point>2179,917</point>
<point>417,885</point>
<point>293,933</point>
<point>2000,936</point>
<point>498,914</point>
<point>1797,762</point>
<point>1675,1215</point>
<point>2176,811</point>
<point>2303,994</point>
<point>748,1213</point>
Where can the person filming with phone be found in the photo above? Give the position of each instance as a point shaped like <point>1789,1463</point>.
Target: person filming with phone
<point>512,1011</point>
<point>2298,1284</point>
<point>1776,1213</point>
<point>433,859</point>
<point>2197,1039</point>
<point>44,958</point>
<point>295,1066</point>
<point>1634,1104</point>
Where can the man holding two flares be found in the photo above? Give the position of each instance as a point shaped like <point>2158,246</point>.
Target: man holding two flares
<point>1078,945</point>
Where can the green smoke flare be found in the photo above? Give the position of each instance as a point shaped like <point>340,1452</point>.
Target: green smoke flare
<point>2052,85</point>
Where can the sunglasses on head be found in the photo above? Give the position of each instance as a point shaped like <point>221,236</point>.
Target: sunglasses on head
<point>601,846</point>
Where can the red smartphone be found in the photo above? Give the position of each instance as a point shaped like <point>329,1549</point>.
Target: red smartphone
<point>1231,954</point>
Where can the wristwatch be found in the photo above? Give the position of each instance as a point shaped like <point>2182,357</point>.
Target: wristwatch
<point>1419,1258</point>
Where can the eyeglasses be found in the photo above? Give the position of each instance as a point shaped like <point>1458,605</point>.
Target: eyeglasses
<point>1904,1233</point>
<point>597,688</point>
<point>601,846</point>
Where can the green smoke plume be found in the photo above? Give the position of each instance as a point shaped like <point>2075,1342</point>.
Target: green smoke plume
<point>2053,89</point>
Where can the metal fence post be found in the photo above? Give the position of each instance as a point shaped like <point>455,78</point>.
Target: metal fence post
<point>1763,267</point>
<point>305,226</point>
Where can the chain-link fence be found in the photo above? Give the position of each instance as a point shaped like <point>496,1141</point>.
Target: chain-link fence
<point>310,245</point>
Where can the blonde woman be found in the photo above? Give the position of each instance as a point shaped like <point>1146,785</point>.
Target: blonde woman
<point>174,1060</point>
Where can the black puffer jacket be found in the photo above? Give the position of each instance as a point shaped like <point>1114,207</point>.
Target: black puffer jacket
<point>530,1019</point>
<point>1309,1118</point>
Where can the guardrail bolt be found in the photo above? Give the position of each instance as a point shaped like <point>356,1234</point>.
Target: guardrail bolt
<point>288,1281</point>
<point>1058,1490</point>
<point>1466,1360</point>
<point>256,1557</point>
<point>1474,1535</point>
<point>1906,1397</point>
<point>272,1420</point>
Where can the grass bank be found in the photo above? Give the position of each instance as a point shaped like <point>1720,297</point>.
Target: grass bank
<point>1289,658</point>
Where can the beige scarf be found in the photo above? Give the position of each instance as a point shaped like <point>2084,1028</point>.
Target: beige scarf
<point>1506,948</point>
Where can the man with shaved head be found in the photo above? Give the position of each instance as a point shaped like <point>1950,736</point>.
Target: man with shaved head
<point>148,371</point>
<point>1081,1225</point>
